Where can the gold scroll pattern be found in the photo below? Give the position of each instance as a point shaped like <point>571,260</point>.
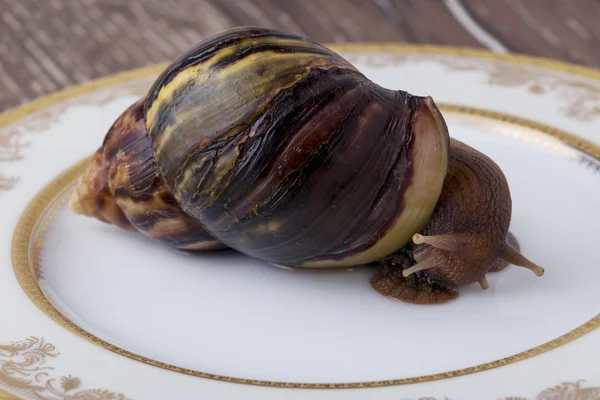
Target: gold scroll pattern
<point>25,370</point>
<point>565,391</point>
<point>580,99</point>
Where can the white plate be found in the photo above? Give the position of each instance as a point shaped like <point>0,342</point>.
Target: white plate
<point>174,321</point>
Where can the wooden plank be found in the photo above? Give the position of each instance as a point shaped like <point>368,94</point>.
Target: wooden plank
<point>48,45</point>
<point>566,30</point>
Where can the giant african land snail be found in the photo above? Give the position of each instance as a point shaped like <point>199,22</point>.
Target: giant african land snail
<point>275,146</point>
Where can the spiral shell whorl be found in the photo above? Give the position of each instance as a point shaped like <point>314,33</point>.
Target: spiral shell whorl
<point>123,186</point>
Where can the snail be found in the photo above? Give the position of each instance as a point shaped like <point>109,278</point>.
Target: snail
<point>273,145</point>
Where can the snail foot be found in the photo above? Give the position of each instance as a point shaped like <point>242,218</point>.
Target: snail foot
<point>417,288</point>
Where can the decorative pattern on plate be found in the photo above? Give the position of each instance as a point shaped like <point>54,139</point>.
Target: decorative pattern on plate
<point>37,212</point>
<point>7,182</point>
<point>41,114</point>
<point>24,370</point>
<point>566,391</point>
<point>570,391</point>
<point>581,99</point>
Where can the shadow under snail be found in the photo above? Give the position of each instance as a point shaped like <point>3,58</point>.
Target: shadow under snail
<point>273,145</point>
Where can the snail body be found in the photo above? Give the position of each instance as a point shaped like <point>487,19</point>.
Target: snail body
<point>275,146</point>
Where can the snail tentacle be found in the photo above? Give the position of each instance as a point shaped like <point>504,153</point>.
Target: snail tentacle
<point>512,256</point>
<point>430,262</point>
<point>448,242</point>
<point>500,264</point>
<point>484,283</point>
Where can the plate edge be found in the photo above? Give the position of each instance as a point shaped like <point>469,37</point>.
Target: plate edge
<point>30,217</point>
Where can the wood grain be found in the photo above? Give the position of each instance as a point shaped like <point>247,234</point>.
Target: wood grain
<point>566,30</point>
<point>46,45</point>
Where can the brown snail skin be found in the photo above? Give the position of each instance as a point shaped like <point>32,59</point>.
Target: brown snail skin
<point>466,237</point>
<point>275,146</point>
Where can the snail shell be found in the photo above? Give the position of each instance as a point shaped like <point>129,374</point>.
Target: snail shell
<point>282,150</point>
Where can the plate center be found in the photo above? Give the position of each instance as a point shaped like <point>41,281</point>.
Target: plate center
<point>224,313</point>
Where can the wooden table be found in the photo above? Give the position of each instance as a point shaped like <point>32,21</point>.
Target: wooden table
<point>46,45</point>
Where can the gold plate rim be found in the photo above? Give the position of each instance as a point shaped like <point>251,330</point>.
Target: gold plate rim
<point>44,201</point>
<point>32,212</point>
